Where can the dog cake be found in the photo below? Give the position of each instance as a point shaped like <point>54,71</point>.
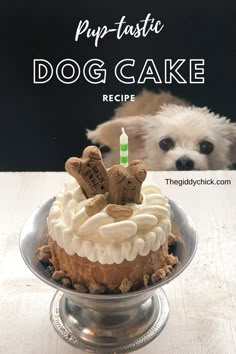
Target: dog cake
<point>108,231</point>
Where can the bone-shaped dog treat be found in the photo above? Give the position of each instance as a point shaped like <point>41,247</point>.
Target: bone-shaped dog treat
<point>95,205</point>
<point>119,211</point>
<point>89,171</point>
<point>125,183</point>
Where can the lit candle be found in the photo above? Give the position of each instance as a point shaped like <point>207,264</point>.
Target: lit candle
<point>124,148</point>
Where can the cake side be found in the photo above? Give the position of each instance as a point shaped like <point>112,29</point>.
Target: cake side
<point>93,276</point>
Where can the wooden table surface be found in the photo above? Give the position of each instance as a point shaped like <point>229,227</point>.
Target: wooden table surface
<point>202,299</point>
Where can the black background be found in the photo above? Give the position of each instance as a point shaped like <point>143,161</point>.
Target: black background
<point>42,125</point>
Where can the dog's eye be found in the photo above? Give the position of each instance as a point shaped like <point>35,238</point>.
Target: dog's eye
<point>206,147</point>
<point>166,144</point>
<point>104,149</point>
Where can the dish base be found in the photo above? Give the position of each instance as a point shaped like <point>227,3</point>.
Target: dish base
<point>111,331</point>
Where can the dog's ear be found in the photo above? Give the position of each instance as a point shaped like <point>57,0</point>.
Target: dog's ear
<point>228,130</point>
<point>108,134</point>
<point>233,153</point>
<point>232,139</point>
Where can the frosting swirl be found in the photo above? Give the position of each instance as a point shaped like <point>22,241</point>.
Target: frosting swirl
<point>102,237</point>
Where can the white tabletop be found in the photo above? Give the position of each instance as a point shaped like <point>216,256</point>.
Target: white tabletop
<point>202,299</point>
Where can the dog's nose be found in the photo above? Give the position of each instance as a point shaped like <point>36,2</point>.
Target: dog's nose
<point>184,164</point>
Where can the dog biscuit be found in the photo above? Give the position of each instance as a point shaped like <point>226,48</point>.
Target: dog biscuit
<point>95,205</point>
<point>89,171</point>
<point>119,211</point>
<point>125,183</point>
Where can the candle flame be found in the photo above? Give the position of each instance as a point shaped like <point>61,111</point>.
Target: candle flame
<point>123,130</point>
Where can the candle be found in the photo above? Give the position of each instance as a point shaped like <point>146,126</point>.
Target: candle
<point>124,148</point>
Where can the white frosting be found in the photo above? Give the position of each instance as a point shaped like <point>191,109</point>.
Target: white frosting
<point>102,238</point>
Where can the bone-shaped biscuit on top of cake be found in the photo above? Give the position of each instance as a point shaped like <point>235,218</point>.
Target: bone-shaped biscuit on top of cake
<point>89,171</point>
<point>125,183</point>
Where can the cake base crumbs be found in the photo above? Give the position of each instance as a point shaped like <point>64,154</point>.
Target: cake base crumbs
<point>44,254</point>
<point>80,288</point>
<point>146,278</point>
<point>167,269</point>
<point>125,285</point>
<point>58,275</point>
<point>159,274</point>
<point>172,260</point>
<point>96,288</point>
<point>66,282</point>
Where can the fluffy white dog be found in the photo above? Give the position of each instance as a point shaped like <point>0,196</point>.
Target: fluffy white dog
<point>169,134</point>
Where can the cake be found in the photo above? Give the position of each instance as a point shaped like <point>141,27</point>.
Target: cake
<point>108,230</point>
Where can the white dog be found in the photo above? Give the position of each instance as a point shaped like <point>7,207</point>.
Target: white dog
<point>168,134</point>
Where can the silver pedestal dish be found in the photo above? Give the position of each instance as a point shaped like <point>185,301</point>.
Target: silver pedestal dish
<point>107,323</point>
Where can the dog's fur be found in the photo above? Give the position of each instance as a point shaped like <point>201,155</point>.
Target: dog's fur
<point>152,117</point>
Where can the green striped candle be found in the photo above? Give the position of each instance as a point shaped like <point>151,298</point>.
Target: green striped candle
<point>124,148</point>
